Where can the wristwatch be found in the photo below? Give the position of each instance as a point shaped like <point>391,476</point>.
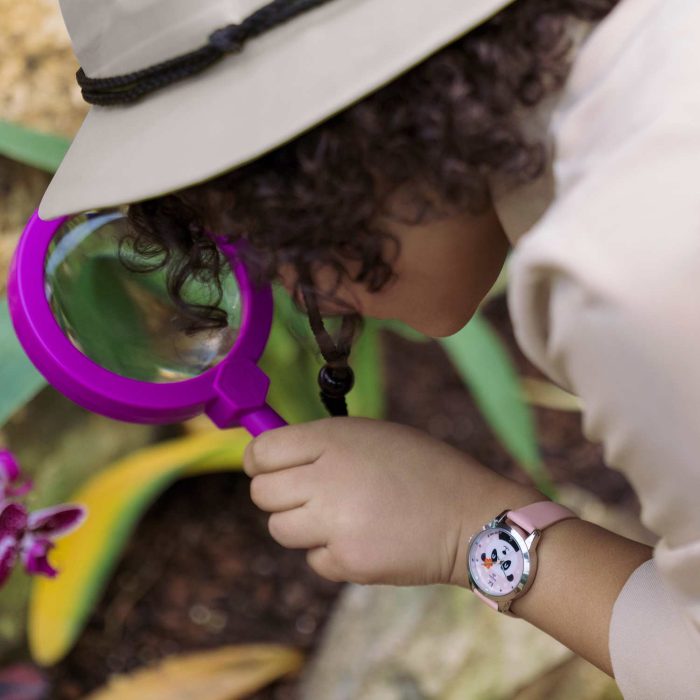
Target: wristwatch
<point>502,556</point>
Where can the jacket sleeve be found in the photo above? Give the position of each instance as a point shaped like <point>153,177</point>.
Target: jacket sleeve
<point>604,295</point>
<point>626,341</point>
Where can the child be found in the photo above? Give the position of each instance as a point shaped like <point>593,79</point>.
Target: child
<point>382,157</point>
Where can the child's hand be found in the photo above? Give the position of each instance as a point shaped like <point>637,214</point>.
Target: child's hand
<point>374,502</point>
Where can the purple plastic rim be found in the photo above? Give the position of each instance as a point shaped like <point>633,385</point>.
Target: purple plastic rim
<point>233,392</point>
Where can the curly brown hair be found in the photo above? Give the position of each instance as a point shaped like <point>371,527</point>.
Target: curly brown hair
<point>441,127</point>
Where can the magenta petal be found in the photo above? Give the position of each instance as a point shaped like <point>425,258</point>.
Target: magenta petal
<point>23,681</point>
<point>56,520</point>
<point>13,519</point>
<point>21,489</point>
<point>34,556</point>
<point>8,556</point>
<point>9,469</point>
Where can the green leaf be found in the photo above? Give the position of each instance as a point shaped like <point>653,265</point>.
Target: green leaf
<point>19,380</point>
<point>36,148</point>
<point>367,397</point>
<point>481,358</point>
<point>291,364</point>
<point>96,298</point>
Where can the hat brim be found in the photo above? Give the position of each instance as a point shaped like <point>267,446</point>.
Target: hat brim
<point>284,82</point>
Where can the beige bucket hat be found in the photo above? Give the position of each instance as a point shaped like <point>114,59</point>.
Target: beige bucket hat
<point>284,81</point>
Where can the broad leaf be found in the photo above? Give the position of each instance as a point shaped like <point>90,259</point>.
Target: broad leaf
<point>95,297</point>
<point>36,148</point>
<point>19,380</point>
<point>115,499</point>
<point>480,357</point>
<point>368,396</point>
<point>228,673</point>
<point>292,365</point>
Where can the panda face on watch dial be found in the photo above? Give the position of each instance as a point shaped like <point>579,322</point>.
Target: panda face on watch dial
<point>496,561</point>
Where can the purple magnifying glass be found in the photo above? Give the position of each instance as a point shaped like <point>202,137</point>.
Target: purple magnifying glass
<point>111,339</point>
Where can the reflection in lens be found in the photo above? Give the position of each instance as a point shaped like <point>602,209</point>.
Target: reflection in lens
<point>125,320</point>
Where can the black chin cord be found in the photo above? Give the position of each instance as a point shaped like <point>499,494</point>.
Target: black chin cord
<point>336,377</point>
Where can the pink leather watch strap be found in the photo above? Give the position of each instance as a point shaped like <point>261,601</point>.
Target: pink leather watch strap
<point>540,515</point>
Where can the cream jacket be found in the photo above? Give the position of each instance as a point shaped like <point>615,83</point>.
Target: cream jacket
<point>604,296</point>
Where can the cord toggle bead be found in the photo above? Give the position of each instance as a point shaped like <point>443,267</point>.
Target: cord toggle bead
<point>336,381</point>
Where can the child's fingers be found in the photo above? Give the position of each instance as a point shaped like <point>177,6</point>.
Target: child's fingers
<point>289,488</point>
<point>284,447</point>
<point>322,562</point>
<point>295,529</point>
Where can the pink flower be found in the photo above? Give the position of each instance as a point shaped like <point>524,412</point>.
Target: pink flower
<point>10,474</point>
<point>30,536</point>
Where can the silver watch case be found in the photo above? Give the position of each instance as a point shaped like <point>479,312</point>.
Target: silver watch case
<point>528,546</point>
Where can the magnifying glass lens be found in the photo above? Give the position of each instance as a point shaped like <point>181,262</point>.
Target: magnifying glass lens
<point>124,320</point>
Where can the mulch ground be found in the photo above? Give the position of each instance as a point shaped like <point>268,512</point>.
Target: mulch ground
<point>202,570</point>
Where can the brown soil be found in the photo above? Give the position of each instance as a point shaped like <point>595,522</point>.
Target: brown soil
<point>202,570</point>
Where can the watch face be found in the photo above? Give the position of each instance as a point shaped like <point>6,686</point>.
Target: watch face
<point>496,561</point>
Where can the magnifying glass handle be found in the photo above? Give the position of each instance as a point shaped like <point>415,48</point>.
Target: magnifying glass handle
<point>265,418</point>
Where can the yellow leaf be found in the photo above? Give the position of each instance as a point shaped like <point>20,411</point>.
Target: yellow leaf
<point>115,500</point>
<point>199,424</point>
<point>539,392</point>
<point>228,673</point>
